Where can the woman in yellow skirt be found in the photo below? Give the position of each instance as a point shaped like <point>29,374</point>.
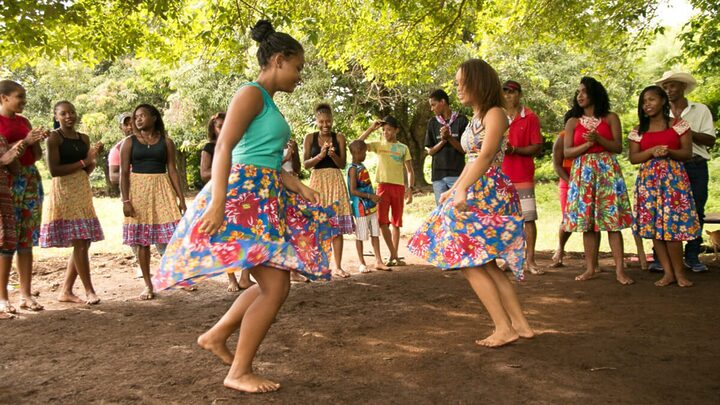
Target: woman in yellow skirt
<point>69,217</point>
<point>153,202</point>
<point>325,153</point>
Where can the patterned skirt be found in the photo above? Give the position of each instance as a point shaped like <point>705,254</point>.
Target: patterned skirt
<point>664,204</point>
<point>156,210</point>
<point>330,183</point>
<point>597,198</point>
<point>264,225</point>
<point>8,237</point>
<point>27,194</point>
<point>68,213</point>
<point>492,228</point>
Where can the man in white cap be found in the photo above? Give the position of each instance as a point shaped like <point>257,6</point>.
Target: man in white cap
<point>678,85</point>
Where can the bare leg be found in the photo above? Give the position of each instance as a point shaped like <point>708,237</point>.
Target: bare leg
<point>245,281</point>
<point>337,247</point>
<point>641,252</point>
<point>274,286</point>
<point>662,255</point>
<point>675,253</point>
<point>359,248</point>
<point>510,301</point>
<point>67,295</point>
<point>24,264</point>
<point>379,265</point>
<point>616,246</point>
<point>486,289</point>
<point>233,285</point>
<point>215,339</point>
<point>590,246</point>
<point>81,261</point>
<point>560,251</point>
<point>387,236</point>
<point>5,265</point>
<point>530,238</point>
<point>143,257</point>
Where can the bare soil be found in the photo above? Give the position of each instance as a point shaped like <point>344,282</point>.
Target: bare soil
<point>401,337</point>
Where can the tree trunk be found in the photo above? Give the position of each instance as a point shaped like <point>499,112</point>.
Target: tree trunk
<point>112,190</point>
<point>181,162</point>
<point>414,120</point>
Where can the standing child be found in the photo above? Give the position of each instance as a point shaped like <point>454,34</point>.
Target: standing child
<point>25,186</point>
<point>664,207</point>
<point>246,218</point>
<point>393,157</point>
<point>479,219</point>
<point>364,206</point>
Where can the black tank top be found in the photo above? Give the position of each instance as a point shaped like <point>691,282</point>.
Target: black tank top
<point>149,159</point>
<point>327,161</point>
<point>72,150</point>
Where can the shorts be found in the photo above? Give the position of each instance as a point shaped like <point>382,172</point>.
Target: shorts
<point>526,192</point>
<point>392,196</point>
<point>367,227</point>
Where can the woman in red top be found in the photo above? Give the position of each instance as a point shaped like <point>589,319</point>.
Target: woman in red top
<point>664,207</point>
<point>26,190</point>
<point>597,198</point>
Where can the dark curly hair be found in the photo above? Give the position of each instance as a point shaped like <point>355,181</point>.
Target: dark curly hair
<point>272,42</point>
<point>323,108</point>
<point>159,124</point>
<point>212,136</point>
<point>598,98</point>
<point>644,119</point>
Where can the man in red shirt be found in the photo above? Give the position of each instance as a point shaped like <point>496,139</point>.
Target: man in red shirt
<point>524,142</point>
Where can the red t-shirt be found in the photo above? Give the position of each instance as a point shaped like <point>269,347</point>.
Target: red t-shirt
<point>15,129</point>
<point>524,131</point>
<point>586,124</point>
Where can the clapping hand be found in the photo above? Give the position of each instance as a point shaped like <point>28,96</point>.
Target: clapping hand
<point>444,133</point>
<point>36,135</point>
<point>660,151</point>
<point>591,136</point>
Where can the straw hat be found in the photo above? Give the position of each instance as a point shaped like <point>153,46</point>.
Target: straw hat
<point>681,77</point>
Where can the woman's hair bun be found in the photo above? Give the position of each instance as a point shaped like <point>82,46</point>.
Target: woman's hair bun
<point>262,30</point>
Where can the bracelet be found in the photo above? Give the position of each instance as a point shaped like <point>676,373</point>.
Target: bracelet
<point>82,162</point>
<point>125,201</point>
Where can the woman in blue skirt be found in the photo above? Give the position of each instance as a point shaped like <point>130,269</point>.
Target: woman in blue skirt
<point>252,216</point>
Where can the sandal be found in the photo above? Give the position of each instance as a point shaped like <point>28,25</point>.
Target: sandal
<point>6,308</point>
<point>32,306</point>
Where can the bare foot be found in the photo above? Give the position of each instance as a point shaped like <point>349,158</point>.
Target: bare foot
<point>586,276</point>
<point>251,383</point>
<point>233,287</point>
<point>382,267</point>
<point>217,348</point>
<point>296,277</point>
<point>665,281</point>
<point>598,270</point>
<point>245,284</point>
<point>341,273</point>
<point>557,259</point>
<point>534,269</point>
<point>524,331</point>
<point>683,282</point>
<point>498,339</point>
<point>70,297</point>
<point>147,294</point>
<point>92,299</point>
<point>624,279</point>
<point>190,288</point>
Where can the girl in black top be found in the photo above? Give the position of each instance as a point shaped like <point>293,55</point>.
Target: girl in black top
<point>69,217</point>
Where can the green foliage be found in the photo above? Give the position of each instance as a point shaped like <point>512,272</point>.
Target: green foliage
<point>701,38</point>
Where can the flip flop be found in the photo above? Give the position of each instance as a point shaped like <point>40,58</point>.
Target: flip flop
<point>32,306</point>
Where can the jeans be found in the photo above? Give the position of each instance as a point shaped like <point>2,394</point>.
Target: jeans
<point>443,185</point>
<point>697,171</point>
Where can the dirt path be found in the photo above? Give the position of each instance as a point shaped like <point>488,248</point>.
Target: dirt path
<point>400,337</point>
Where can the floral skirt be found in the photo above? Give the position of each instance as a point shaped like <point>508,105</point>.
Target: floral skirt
<point>664,204</point>
<point>492,228</point>
<point>597,198</point>
<point>68,213</point>
<point>27,194</point>
<point>330,183</point>
<point>8,237</point>
<point>156,210</point>
<point>264,225</point>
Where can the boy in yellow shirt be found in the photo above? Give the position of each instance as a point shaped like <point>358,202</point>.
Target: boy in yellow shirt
<point>389,176</point>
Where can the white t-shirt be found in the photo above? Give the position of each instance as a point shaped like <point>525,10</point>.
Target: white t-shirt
<point>700,119</point>
<point>287,166</point>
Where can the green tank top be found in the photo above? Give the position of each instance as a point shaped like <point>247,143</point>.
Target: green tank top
<point>265,138</point>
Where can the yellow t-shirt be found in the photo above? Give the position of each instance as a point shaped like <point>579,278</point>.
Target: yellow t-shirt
<point>391,159</point>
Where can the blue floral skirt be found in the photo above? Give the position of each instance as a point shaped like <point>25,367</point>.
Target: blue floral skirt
<point>264,225</point>
<point>492,228</point>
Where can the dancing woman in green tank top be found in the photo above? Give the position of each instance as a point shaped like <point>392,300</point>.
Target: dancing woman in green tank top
<point>251,215</point>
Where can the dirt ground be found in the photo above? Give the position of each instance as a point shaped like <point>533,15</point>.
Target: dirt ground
<point>401,337</point>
